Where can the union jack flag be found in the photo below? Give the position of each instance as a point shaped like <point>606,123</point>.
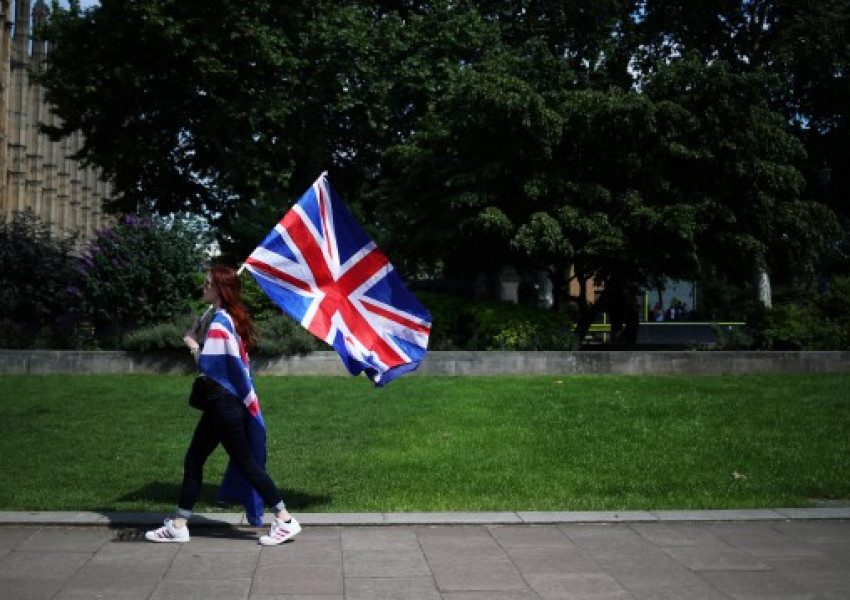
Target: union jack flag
<point>322,269</point>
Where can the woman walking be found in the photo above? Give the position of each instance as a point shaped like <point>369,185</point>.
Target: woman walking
<point>230,404</point>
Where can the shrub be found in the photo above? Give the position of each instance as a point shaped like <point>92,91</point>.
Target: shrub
<point>38,294</point>
<point>161,336</point>
<point>279,336</point>
<point>820,322</point>
<point>463,325</point>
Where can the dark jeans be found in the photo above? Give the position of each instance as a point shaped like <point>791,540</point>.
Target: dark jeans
<point>225,422</point>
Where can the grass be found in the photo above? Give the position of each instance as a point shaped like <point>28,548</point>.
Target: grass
<point>107,443</point>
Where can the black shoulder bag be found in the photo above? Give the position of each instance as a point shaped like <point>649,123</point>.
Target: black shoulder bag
<point>198,396</point>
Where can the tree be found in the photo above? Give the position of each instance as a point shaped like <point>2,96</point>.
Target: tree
<point>232,109</point>
<point>181,104</point>
<point>749,168</point>
<point>522,161</point>
<point>801,45</point>
<point>139,273</point>
<point>631,140</point>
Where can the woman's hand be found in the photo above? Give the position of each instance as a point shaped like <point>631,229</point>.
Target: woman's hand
<point>192,343</point>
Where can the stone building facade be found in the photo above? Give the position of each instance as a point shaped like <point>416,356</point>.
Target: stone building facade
<point>35,173</point>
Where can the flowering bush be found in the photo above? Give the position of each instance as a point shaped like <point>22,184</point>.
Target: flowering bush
<point>139,273</point>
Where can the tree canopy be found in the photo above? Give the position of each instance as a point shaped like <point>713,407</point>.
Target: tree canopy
<point>629,140</point>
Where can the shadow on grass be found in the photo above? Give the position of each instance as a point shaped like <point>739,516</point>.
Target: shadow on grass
<point>161,492</point>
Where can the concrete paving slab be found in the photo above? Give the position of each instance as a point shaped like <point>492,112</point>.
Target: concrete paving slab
<point>468,558</point>
<point>761,540</point>
<point>490,595</point>
<point>22,588</point>
<point>390,588</point>
<point>715,558</point>
<point>255,596</point>
<point>756,585</point>
<point>816,532</point>
<point>236,589</point>
<point>704,592</point>
<point>58,539</point>
<point>12,536</point>
<point>664,534</point>
<point>510,536</point>
<point>131,579</point>
<point>41,564</point>
<point>203,566</point>
<point>540,560</point>
<point>386,552</point>
<point>814,573</point>
<point>307,580</point>
<point>313,547</point>
<point>593,536</point>
<point>578,586</point>
<point>644,569</point>
<point>476,574</point>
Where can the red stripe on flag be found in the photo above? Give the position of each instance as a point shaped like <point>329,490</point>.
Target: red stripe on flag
<point>283,276</point>
<point>365,268</point>
<point>396,318</point>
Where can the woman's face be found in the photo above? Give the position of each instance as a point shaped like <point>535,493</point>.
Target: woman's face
<point>210,291</point>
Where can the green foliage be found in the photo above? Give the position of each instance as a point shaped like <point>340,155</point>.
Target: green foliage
<point>631,140</point>
<point>139,273</point>
<point>259,305</point>
<point>821,322</point>
<point>180,103</point>
<point>162,336</point>
<point>280,335</point>
<point>38,278</point>
<point>463,325</point>
<point>802,45</point>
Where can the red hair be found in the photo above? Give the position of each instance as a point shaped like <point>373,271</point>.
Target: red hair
<point>229,288</point>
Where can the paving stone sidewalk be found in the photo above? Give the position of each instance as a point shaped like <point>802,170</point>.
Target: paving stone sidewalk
<point>770,555</point>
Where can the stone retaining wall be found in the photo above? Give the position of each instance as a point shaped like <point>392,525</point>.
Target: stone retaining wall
<point>43,362</point>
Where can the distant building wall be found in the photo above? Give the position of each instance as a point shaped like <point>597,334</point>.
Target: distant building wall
<point>35,173</point>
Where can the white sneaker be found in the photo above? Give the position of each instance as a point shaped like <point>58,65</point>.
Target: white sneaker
<point>280,532</point>
<point>168,533</point>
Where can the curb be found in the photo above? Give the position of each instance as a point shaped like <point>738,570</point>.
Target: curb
<point>114,519</point>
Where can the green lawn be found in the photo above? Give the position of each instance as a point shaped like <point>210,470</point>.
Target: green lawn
<point>442,443</point>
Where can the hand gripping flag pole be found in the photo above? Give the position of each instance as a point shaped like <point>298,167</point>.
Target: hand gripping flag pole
<point>323,270</point>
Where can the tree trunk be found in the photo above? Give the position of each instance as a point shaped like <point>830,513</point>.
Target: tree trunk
<point>765,297</point>
<point>587,313</point>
